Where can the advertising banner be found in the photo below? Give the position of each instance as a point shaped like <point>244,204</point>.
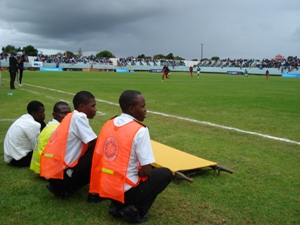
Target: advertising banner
<point>50,69</point>
<point>235,72</point>
<point>156,70</point>
<point>291,75</point>
<point>124,71</point>
<point>37,64</point>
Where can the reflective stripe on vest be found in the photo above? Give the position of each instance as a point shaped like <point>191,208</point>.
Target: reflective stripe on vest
<point>40,145</point>
<point>111,158</point>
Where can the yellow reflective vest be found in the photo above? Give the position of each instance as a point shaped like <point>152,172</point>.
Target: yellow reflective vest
<point>40,145</point>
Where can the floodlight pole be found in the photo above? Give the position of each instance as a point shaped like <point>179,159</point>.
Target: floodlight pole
<point>201,51</point>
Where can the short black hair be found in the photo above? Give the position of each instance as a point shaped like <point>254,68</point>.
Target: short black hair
<point>57,104</point>
<point>82,97</point>
<point>34,106</point>
<point>128,98</point>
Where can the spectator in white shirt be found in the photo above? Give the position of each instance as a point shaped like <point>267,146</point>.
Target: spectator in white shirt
<point>22,135</point>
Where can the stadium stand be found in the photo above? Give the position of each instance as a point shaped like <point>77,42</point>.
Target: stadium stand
<point>93,63</point>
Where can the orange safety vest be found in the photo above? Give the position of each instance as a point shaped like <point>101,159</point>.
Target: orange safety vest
<point>111,158</point>
<point>53,155</point>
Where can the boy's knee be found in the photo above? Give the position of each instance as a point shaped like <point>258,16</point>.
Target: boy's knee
<point>168,175</point>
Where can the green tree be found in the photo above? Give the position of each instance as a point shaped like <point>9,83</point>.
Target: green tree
<point>30,50</point>
<point>178,58</point>
<point>215,58</point>
<point>9,49</point>
<point>159,56</point>
<point>105,53</point>
<point>142,56</point>
<point>293,58</point>
<point>69,54</point>
<point>170,56</point>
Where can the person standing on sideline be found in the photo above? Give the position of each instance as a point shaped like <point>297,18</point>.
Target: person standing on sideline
<point>198,71</point>
<point>121,167</point>
<point>246,74</point>
<point>129,69</point>
<point>22,135</point>
<point>60,110</point>
<point>267,74</point>
<point>66,160</point>
<point>13,69</point>
<point>191,71</point>
<point>21,61</point>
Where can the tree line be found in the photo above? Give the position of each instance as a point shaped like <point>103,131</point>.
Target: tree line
<point>31,51</point>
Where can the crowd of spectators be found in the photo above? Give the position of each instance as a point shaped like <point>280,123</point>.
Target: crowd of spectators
<point>4,56</point>
<point>73,59</point>
<point>287,64</point>
<point>65,59</point>
<point>131,61</point>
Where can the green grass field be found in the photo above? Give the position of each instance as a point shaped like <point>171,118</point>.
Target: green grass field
<point>253,128</point>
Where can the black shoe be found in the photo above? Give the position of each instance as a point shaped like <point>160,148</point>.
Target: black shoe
<point>13,88</point>
<point>56,193</point>
<point>130,215</point>
<point>94,198</point>
<point>114,210</point>
<point>142,219</point>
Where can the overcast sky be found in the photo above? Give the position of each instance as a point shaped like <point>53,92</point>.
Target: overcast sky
<point>226,28</point>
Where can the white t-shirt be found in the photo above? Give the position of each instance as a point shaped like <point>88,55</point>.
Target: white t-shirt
<point>21,138</point>
<point>80,132</point>
<point>141,149</point>
<point>52,121</point>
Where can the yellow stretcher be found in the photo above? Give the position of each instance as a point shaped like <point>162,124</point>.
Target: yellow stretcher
<point>182,164</point>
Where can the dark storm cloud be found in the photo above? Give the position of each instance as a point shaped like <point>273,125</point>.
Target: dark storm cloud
<point>56,19</point>
<point>131,27</point>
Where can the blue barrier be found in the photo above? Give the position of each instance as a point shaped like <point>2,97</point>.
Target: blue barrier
<point>50,69</point>
<point>235,72</point>
<point>124,71</point>
<point>156,70</point>
<point>291,75</point>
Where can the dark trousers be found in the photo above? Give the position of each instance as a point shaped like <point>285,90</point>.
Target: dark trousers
<point>24,162</point>
<point>80,175</point>
<point>143,196</point>
<point>13,75</point>
<point>20,76</point>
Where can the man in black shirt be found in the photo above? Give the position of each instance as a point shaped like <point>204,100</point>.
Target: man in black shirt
<point>13,69</point>
<point>21,61</point>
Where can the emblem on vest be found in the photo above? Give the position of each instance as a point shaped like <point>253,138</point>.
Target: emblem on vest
<point>111,149</point>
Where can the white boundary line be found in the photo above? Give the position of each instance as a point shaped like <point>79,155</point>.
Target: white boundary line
<point>6,120</point>
<point>186,119</point>
<point>228,128</point>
